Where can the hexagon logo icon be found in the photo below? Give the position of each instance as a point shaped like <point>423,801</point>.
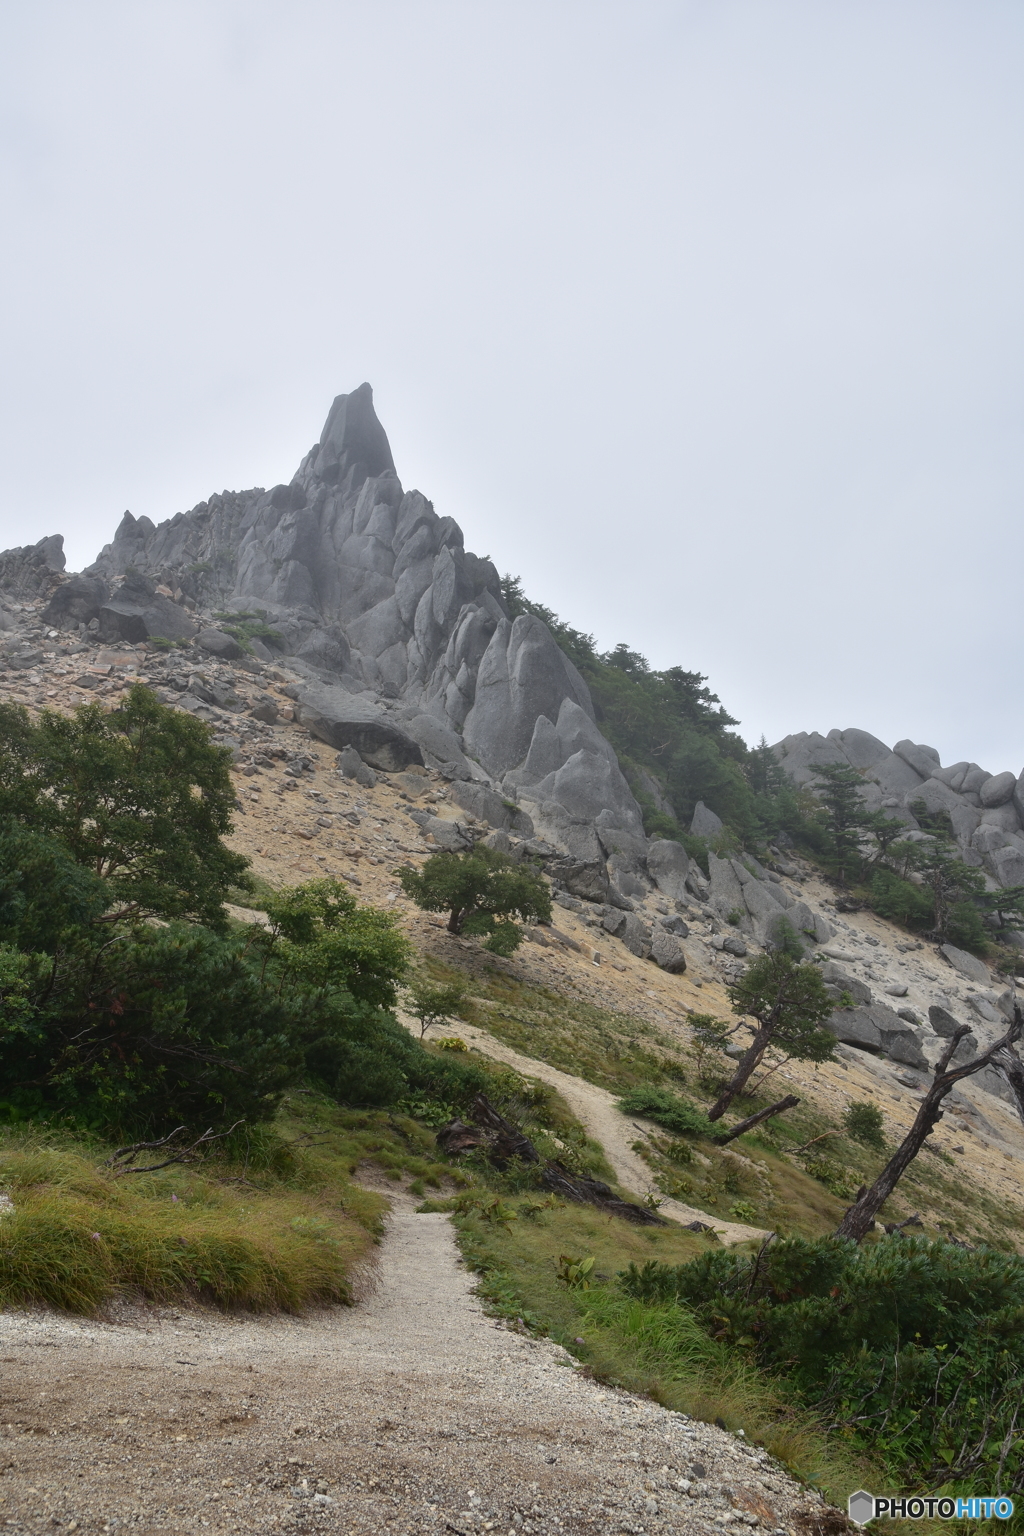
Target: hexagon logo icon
<point>860,1507</point>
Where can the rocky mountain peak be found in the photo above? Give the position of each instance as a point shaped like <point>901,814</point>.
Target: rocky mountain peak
<point>397,635</point>
<point>353,442</point>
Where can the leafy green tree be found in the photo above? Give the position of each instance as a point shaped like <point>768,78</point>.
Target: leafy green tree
<point>1005,906</point>
<point>44,894</point>
<point>320,939</point>
<point>900,900</point>
<point>482,890</point>
<point>432,1004</point>
<point>140,796</point>
<point>141,1032</point>
<point>845,814</point>
<point>790,1004</point>
<point>953,886</point>
<point>138,1029</point>
<point>863,1121</point>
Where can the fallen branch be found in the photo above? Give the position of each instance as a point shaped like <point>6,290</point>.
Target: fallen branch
<point>502,1141</point>
<point>124,1157</point>
<point>892,1227</point>
<point>789,1102</point>
<point>815,1139</point>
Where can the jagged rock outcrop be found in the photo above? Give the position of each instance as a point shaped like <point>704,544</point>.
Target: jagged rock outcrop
<point>745,895</point>
<point>401,636</point>
<point>985,810</point>
<point>33,570</point>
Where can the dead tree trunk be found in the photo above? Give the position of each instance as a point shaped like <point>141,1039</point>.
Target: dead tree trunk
<point>748,1064</point>
<point>860,1217</point>
<point>789,1102</point>
<point>1009,1064</point>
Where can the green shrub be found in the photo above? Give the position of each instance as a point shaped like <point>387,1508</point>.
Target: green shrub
<point>668,1110</point>
<point>910,1347</point>
<point>901,901</point>
<point>482,890</point>
<point>864,1123</point>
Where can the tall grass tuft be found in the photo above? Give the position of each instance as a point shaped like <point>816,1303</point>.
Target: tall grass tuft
<point>77,1236</point>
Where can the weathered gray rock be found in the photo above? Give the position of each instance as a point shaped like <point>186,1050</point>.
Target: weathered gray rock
<point>342,720</point>
<point>733,945</point>
<point>570,763</point>
<point>924,760</point>
<point>726,890</point>
<point>648,786</point>
<point>942,1021</point>
<point>668,865</point>
<point>860,748</point>
<point>673,923</point>
<point>486,805</point>
<point>705,823</point>
<point>1007,865</point>
<point>32,571</point>
<point>833,976</point>
<point>936,796</point>
<point>801,753</point>
<point>365,583</point>
<point>1018,798</point>
<point>448,835</point>
<point>855,1026</point>
<point>998,789</point>
<point>586,880</point>
<point>217,643</point>
<point>967,964</point>
<point>136,611</point>
<point>988,838</point>
<point>985,1009</point>
<point>438,741</point>
<point>879,1029</point>
<point>1002,816</point>
<point>901,1043</point>
<point>351,766</point>
<point>667,951</point>
<point>628,927</point>
<point>76,601</point>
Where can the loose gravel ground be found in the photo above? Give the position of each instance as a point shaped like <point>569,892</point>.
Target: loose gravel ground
<point>409,1412</point>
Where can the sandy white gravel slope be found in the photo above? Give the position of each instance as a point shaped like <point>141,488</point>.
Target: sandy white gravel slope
<point>410,1412</point>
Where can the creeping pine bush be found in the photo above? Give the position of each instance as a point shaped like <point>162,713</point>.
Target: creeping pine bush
<point>864,1123</point>
<point>668,1110</point>
<point>914,1348</point>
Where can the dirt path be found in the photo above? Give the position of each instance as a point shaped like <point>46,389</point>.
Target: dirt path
<point>595,1108</point>
<point>411,1412</point>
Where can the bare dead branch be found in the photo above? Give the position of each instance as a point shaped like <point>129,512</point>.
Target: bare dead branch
<point>789,1102</point>
<point>815,1139</point>
<point>124,1158</point>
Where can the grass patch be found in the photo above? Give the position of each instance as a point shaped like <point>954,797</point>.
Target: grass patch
<point>613,1050</point>
<point>658,1351</point>
<point>273,1222</point>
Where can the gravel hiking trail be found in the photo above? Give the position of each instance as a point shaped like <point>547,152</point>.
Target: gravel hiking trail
<point>409,1412</point>
<point>596,1110</point>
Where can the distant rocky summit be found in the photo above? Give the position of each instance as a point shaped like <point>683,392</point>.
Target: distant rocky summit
<point>342,606</point>
<point>399,634</point>
<point>986,810</point>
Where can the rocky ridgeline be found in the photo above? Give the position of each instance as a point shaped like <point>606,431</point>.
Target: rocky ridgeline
<point>986,809</point>
<point>384,638</point>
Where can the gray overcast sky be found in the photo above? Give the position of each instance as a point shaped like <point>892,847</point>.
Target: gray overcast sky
<point>703,317</point>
